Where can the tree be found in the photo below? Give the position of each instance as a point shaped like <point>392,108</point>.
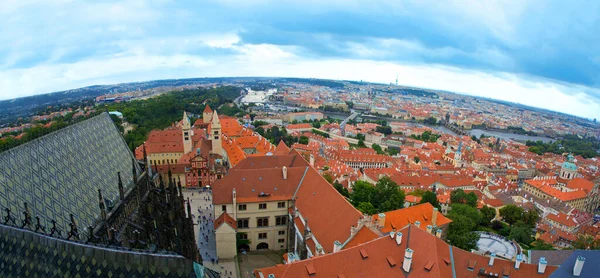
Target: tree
<point>384,196</point>
<point>460,233</point>
<point>341,189</point>
<point>586,242</point>
<point>430,197</point>
<point>511,214</point>
<point>459,196</point>
<point>521,232</point>
<point>531,217</point>
<point>377,148</point>
<point>384,129</point>
<point>303,140</point>
<point>316,124</point>
<point>417,159</point>
<point>464,221</point>
<point>366,207</point>
<point>541,245</point>
<point>361,144</point>
<point>487,215</point>
<point>328,178</point>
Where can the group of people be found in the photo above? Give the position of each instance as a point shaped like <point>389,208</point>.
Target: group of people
<point>205,220</point>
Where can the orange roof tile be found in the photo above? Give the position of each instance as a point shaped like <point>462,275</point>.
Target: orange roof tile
<point>227,219</point>
<point>397,219</point>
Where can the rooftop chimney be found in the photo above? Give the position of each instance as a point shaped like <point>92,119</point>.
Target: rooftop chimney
<point>434,216</point>
<point>408,254</point>
<point>418,224</point>
<point>381,220</point>
<point>578,266</point>
<point>518,261</point>
<point>542,265</point>
<point>312,160</point>
<point>337,246</point>
<point>399,238</point>
<point>438,233</point>
<point>284,170</point>
<point>429,228</point>
<point>492,257</point>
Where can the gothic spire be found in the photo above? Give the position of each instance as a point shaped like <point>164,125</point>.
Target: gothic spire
<point>134,170</point>
<point>189,208</point>
<point>121,190</point>
<point>101,205</point>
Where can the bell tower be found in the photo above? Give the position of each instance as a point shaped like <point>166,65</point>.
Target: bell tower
<point>187,133</point>
<point>215,129</point>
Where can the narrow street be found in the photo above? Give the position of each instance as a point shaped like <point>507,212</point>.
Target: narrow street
<point>202,210</point>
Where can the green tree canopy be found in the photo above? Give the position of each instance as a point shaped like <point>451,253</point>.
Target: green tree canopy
<point>384,196</point>
<point>459,196</point>
<point>511,214</point>
<point>430,197</point>
<point>488,214</point>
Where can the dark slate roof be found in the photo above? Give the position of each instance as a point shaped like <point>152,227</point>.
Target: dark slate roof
<point>60,173</point>
<point>553,257</point>
<point>29,254</point>
<point>591,267</point>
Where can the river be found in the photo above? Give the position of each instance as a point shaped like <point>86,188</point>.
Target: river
<point>477,132</point>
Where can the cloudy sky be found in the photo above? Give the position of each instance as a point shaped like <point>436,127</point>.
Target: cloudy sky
<point>543,53</point>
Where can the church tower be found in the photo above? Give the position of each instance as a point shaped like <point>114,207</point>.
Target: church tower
<point>215,129</point>
<point>568,170</point>
<point>207,114</point>
<point>458,155</point>
<point>186,127</point>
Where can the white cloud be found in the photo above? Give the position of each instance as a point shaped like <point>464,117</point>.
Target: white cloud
<point>270,60</point>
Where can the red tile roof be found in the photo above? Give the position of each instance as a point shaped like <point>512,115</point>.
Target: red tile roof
<point>383,257</point>
<point>227,219</point>
<point>397,219</point>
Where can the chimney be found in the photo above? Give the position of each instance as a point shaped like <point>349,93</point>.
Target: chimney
<point>418,224</point>
<point>578,266</point>
<point>312,160</point>
<point>284,170</point>
<point>492,257</point>
<point>438,233</point>
<point>392,233</point>
<point>542,265</point>
<point>337,246</point>
<point>518,261</point>
<point>381,220</point>
<point>408,254</point>
<point>434,216</point>
<point>399,238</point>
<point>429,228</point>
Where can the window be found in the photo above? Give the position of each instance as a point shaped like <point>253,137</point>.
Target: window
<point>281,240</point>
<point>262,235</point>
<point>262,222</point>
<point>281,233</point>
<point>281,204</point>
<point>262,206</point>
<point>280,220</point>
<point>241,207</point>
<point>224,208</point>
<point>185,134</point>
<point>243,236</point>
<point>243,223</point>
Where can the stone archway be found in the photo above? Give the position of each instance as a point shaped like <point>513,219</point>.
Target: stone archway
<point>262,246</point>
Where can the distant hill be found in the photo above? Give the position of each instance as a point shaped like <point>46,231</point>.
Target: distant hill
<point>23,107</point>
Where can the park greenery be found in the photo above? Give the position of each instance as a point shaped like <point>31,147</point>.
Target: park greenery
<point>161,111</point>
<point>426,136</point>
<point>586,147</point>
<point>381,197</point>
<point>276,134</point>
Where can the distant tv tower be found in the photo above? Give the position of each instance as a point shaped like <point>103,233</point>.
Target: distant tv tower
<point>396,80</point>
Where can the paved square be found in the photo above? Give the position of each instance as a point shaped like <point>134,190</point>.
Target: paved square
<point>201,204</point>
<point>498,244</point>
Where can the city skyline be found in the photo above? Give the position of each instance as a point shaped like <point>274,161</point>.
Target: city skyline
<point>530,53</point>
